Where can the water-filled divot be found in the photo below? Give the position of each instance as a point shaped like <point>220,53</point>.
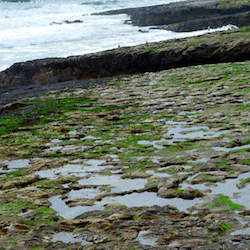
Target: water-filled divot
<point>245,231</point>
<point>68,238</point>
<point>149,199</point>
<point>88,193</point>
<point>153,143</point>
<point>73,169</point>
<point>115,181</point>
<point>14,165</point>
<point>227,188</point>
<point>230,149</point>
<point>144,238</point>
<point>69,212</point>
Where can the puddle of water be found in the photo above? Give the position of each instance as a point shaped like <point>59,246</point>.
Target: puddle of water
<point>160,174</point>
<point>152,82</point>
<point>114,157</point>
<point>175,123</point>
<point>153,143</point>
<point>149,199</point>
<point>187,166</point>
<point>55,141</point>
<point>192,116</point>
<point>95,164</point>
<point>154,160</point>
<point>178,133</point>
<point>68,238</point>
<point>227,188</point>
<point>114,180</point>
<point>14,165</point>
<point>167,103</point>
<point>115,171</point>
<point>241,220</point>
<point>149,240</point>
<point>193,150</point>
<point>174,244</point>
<point>88,193</point>
<point>53,148</point>
<point>214,93</point>
<point>73,169</point>
<point>73,132</point>
<point>87,127</point>
<point>77,170</point>
<point>25,213</point>
<point>189,112</point>
<point>71,148</point>
<point>130,200</point>
<point>200,160</point>
<point>243,197</point>
<point>245,231</point>
<point>98,141</point>
<point>69,212</point>
<point>88,137</point>
<point>77,161</point>
<point>230,149</point>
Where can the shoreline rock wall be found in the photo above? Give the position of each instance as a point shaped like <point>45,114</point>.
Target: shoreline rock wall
<point>189,15</point>
<point>240,20</point>
<point>211,48</point>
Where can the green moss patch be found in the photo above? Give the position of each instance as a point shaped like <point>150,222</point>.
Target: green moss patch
<point>13,207</point>
<point>224,227</point>
<point>224,201</point>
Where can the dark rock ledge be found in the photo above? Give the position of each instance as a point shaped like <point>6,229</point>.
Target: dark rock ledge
<point>211,48</point>
<point>189,15</point>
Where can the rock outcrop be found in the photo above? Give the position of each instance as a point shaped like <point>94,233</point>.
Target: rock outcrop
<point>211,48</point>
<point>189,15</point>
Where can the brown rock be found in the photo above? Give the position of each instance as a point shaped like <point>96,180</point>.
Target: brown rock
<point>20,181</point>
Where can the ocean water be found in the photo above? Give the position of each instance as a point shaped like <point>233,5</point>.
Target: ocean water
<point>59,28</point>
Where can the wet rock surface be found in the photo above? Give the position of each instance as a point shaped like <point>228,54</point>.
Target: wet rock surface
<point>158,160</point>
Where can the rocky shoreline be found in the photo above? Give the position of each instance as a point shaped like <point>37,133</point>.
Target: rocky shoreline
<point>136,148</point>
<point>189,15</point>
<point>226,46</point>
<point>147,161</point>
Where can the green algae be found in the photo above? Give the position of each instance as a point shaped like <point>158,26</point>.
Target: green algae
<point>40,215</point>
<point>48,184</point>
<point>183,146</point>
<point>247,180</point>
<point>13,207</point>
<point>43,111</point>
<point>224,201</point>
<point>245,161</point>
<point>224,227</point>
<point>14,174</point>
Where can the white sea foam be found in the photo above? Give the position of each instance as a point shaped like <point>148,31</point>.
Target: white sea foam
<point>37,29</point>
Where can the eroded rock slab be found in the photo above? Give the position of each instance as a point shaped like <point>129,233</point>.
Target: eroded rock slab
<point>131,164</point>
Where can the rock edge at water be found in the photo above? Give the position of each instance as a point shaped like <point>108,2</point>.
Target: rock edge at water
<point>189,15</point>
<point>211,48</point>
